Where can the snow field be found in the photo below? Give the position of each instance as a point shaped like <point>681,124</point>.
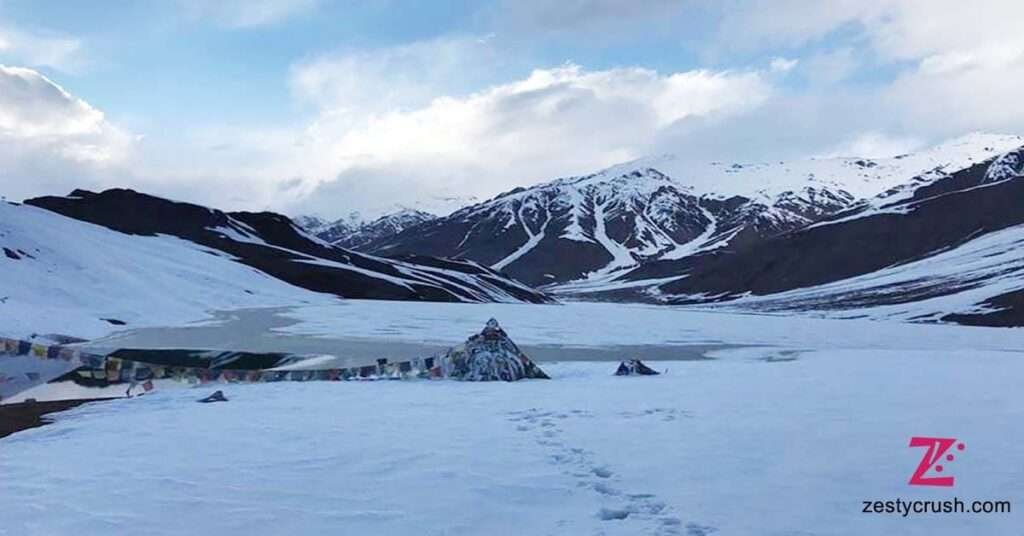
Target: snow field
<point>757,441</point>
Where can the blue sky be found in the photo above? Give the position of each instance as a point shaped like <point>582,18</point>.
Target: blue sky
<point>327,106</point>
<point>136,56</point>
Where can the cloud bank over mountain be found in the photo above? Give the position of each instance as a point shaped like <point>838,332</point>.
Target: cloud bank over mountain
<point>476,110</point>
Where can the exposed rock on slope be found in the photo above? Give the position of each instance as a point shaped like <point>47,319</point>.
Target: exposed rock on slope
<point>960,234</point>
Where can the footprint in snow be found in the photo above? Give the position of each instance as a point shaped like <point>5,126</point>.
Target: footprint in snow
<point>666,414</point>
<point>634,508</point>
<point>693,529</point>
<point>605,489</point>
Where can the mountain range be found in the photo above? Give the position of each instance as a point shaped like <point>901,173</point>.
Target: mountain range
<point>930,236</point>
<point>662,230</point>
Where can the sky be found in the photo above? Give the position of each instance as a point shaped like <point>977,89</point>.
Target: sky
<point>327,107</point>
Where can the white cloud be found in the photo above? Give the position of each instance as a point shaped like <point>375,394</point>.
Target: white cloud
<point>462,116</point>
<point>32,107</point>
<point>40,49</point>
<point>389,126</point>
<point>782,65</point>
<point>958,66</point>
<point>752,24</point>
<point>831,66</point>
<point>46,135</point>
<point>554,122</point>
<point>949,101</point>
<point>970,65</point>
<point>874,145</point>
<point>247,13</point>
<point>914,29</point>
<point>958,61</point>
<point>361,81</point>
<point>571,15</point>
<point>895,29</point>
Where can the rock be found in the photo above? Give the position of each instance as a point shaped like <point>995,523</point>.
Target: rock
<point>487,356</point>
<point>217,396</point>
<point>633,367</point>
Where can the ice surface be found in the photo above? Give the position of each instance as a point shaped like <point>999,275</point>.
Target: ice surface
<point>597,325</point>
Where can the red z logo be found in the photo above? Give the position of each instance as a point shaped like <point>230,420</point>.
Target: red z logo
<point>937,446</point>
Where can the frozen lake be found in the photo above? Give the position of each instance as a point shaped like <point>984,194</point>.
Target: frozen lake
<point>397,336</point>
<point>357,331</point>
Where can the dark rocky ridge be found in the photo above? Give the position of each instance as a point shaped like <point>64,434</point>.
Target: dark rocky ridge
<point>271,243</point>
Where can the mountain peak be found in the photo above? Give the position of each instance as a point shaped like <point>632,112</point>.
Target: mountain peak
<point>350,234</point>
<point>860,176</point>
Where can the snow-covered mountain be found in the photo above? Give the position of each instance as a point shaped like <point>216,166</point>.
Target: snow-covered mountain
<point>945,250</point>
<point>310,223</point>
<point>861,177</point>
<point>356,229</point>
<point>387,225</point>
<point>330,230</point>
<point>354,234</point>
<point>594,226</point>
<point>578,234</point>
<point>62,275</point>
<point>266,244</point>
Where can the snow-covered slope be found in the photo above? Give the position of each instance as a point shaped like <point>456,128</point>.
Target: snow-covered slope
<point>59,275</point>
<point>860,177</point>
<point>980,280</point>
<point>265,244</point>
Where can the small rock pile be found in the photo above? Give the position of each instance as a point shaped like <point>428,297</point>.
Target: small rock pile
<point>489,356</point>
